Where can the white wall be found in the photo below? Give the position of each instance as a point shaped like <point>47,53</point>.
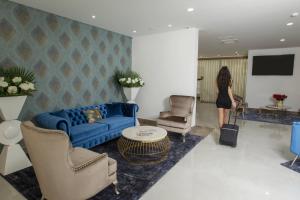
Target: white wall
<point>168,64</point>
<point>260,89</point>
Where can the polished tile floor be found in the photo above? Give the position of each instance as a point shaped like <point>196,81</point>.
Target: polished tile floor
<point>251,171</point>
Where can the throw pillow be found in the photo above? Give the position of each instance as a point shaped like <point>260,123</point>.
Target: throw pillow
<point>114,109</point>
<point>92,115</point>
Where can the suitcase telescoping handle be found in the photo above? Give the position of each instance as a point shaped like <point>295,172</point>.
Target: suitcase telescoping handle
<point>234,117</point>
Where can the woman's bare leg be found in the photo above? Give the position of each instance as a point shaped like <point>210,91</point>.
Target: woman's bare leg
<point>226,111</point>
<point>221,116</point>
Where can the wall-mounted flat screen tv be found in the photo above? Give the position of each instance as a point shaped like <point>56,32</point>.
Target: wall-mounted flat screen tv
<point>281,65</point>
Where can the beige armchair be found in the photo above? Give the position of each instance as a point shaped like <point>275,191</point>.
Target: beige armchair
<point>179,118</point>
<point>64,172</point>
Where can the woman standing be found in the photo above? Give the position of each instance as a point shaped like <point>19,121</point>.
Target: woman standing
<point>225,98</point>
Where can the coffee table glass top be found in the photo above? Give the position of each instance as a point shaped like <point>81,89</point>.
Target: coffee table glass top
<point>144,133</point>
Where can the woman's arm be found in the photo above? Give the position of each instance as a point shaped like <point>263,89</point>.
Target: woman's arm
<point>231,97</point>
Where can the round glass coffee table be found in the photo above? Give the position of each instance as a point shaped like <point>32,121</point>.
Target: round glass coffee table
<point>144,144</point>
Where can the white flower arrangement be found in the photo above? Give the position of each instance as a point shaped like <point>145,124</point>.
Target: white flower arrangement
<point>16,82</point>
<point>130,79</point>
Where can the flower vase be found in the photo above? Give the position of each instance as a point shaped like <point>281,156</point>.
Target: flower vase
<point>131,93</point>
<point>280,104</point>
<point>12,157</point>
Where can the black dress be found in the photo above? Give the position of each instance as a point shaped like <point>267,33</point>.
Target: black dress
<point>223,100</point>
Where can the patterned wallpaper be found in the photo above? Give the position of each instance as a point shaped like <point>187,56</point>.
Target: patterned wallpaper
<point>73,62</point>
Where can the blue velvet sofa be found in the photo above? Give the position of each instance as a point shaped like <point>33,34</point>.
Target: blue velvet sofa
<point>116,117</point>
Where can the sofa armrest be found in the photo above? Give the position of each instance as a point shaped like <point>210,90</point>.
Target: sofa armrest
<point>48,121</point>
<point>130,109</point>
<point>165,114</point>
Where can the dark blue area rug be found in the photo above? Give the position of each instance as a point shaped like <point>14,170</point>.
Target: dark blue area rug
<point>295,167</point>
<point>134,180</point>
<point>281,118</point>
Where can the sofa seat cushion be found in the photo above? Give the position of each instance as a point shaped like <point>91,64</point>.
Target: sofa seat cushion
<point>87,130</point>
<point>117,122</point>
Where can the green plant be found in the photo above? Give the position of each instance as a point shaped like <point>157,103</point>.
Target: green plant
<point>16,81</point>
<point>129,79</point>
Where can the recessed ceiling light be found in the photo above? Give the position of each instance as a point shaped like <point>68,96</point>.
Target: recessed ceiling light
<point>190,9</point>
<point>93,16</point>
<point>295,14</point>
<point>290,24</point>
<point>134,31</point>
<point>282,40</point>
<point>170,25</point>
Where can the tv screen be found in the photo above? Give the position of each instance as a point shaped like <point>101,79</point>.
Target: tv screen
<point>273,65</point>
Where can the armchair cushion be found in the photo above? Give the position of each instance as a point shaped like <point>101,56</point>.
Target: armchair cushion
<point>170,122</point>
<point>178,119</point>
<point>165,114</point>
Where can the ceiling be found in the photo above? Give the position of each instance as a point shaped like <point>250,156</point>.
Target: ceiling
<point>256,24</point>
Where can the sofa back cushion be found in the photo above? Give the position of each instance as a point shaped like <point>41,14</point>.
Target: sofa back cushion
<point>77,116</point>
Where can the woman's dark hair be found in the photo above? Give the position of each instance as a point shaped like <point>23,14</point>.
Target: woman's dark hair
<point>224,78</point>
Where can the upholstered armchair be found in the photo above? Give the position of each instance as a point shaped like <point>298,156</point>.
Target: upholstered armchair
<point>241,105</point>
<point>179,118</point>
<point>295,141</point>
<point>64,172</point>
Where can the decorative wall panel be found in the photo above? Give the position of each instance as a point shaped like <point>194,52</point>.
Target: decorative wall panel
<point>74,63</point>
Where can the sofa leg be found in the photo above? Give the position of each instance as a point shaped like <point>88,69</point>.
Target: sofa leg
<point>115,183</point>
<point>183,138</point>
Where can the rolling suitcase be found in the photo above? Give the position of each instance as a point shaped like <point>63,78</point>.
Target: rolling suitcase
<point>229,133</point>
